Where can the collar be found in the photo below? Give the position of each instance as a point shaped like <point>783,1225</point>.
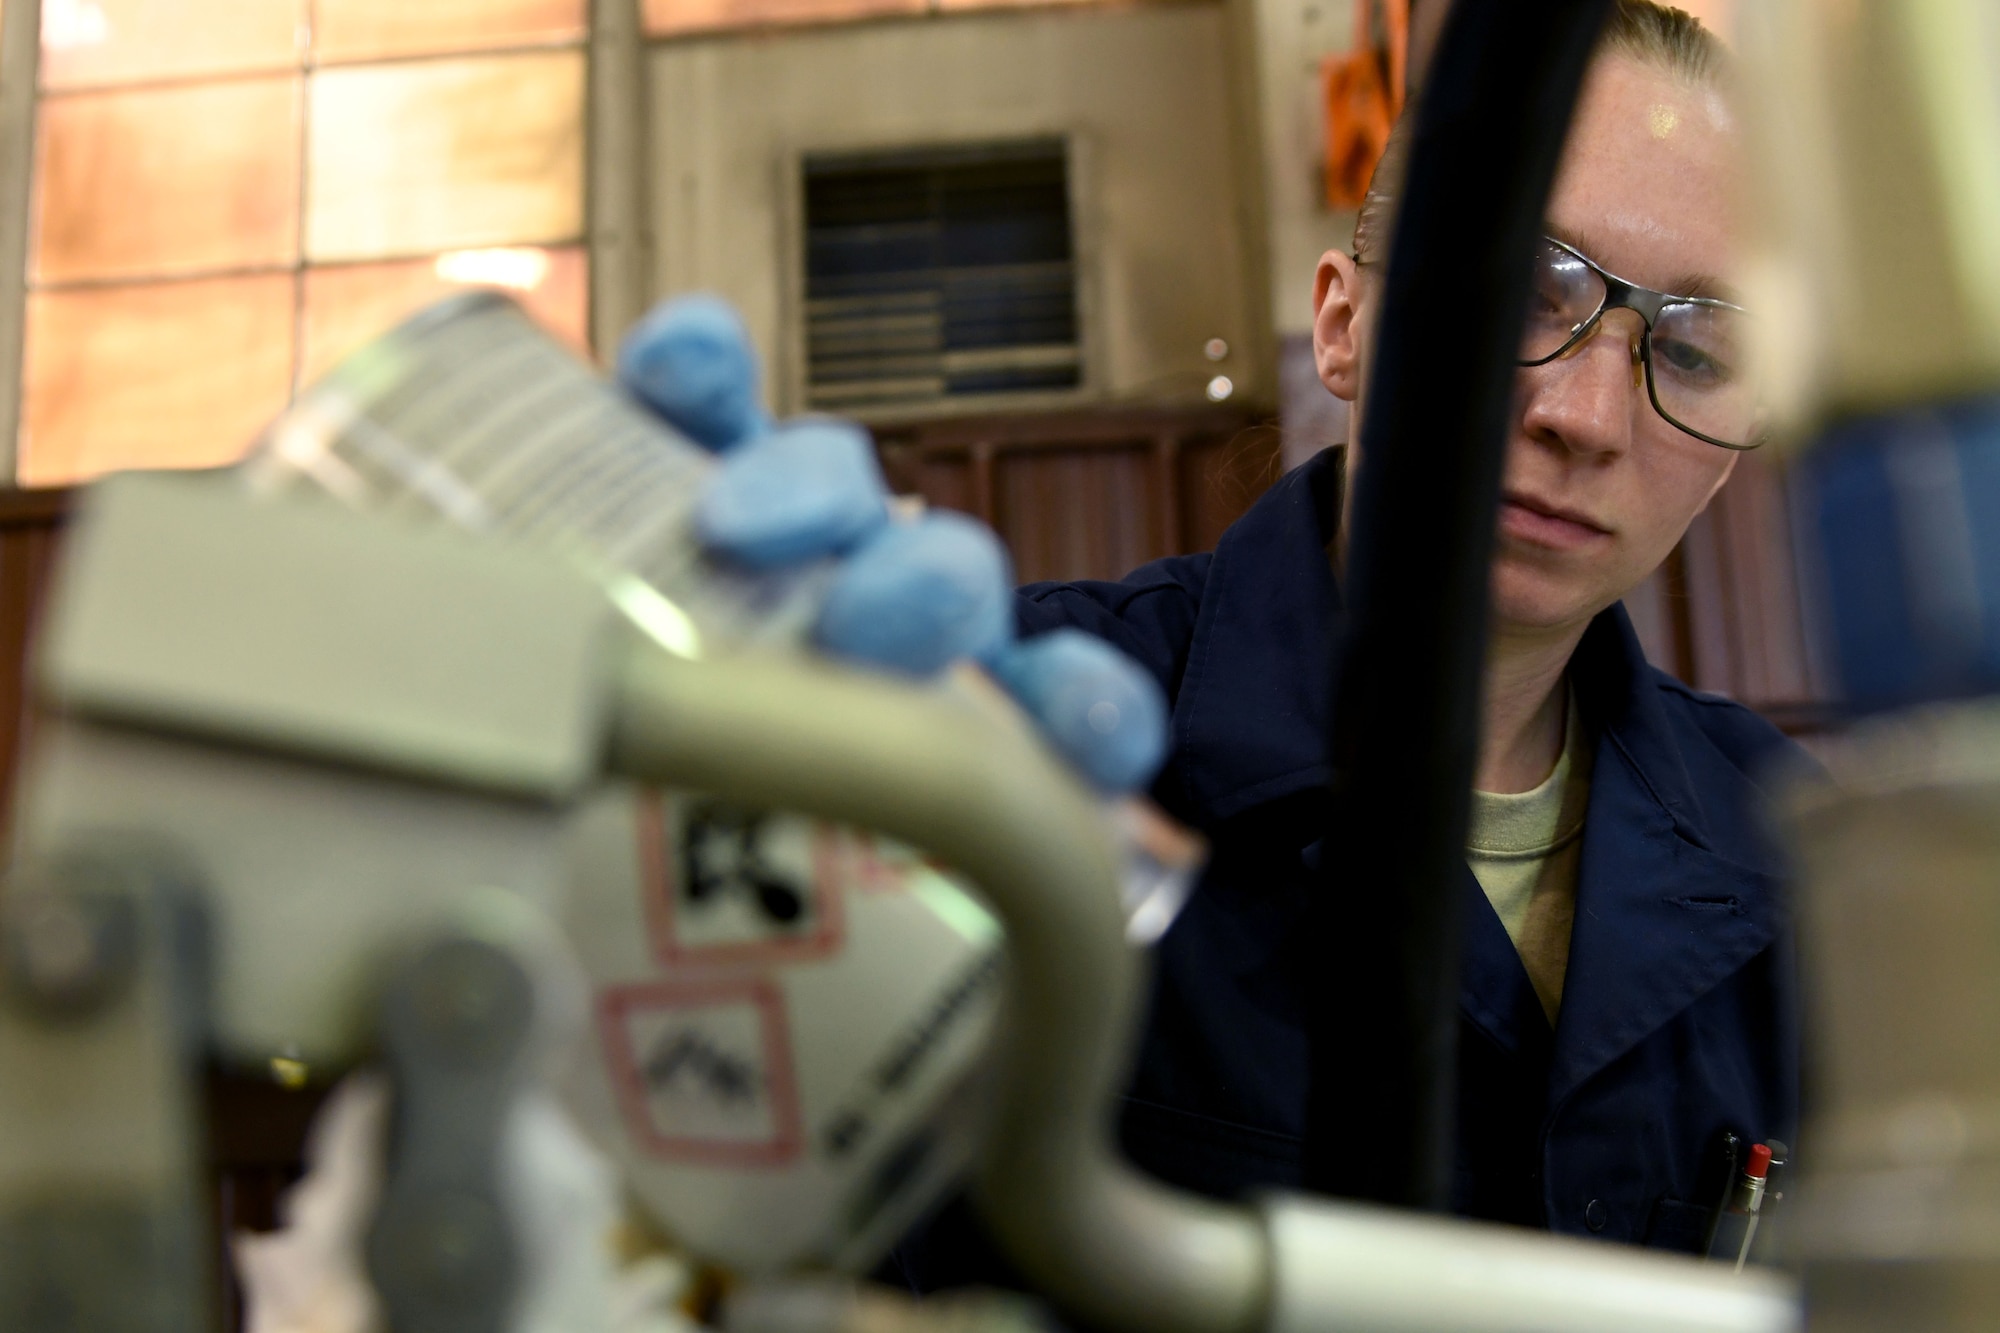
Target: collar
<point>1679,885</point>
<point>1250,718</point>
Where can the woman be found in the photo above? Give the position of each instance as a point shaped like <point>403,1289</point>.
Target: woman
<point>1626,999</point>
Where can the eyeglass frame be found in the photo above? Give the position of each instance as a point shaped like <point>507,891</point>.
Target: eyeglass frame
<point>1619,295</point>
<point>1647,304</point>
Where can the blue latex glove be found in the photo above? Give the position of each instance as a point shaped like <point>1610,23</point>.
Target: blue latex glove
<point>910,597</point>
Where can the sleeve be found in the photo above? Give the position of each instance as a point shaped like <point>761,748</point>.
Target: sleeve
<point>1149,614</point>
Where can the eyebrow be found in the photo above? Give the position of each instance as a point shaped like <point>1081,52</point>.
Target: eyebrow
<point>1696,286</point>
<point>1704,287</point>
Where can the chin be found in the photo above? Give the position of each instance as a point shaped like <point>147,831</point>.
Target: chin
<point>1527,599</point>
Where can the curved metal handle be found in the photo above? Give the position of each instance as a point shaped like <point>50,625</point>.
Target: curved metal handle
<point>968,781</point>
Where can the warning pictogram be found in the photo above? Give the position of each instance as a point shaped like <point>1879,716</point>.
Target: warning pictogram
<point>704,1070</point>
<point>726,884</point>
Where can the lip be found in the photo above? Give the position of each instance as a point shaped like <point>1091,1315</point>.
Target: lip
<point>1528,518</point>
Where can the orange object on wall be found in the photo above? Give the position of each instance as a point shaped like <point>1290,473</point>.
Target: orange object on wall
<point>1363,96</point>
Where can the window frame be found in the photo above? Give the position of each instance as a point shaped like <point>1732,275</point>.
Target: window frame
<point>20,95</point>
<point>615,234</point>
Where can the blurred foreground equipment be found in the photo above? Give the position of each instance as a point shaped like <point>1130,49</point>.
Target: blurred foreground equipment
<point>350,745</point>
<point>1880,288</point>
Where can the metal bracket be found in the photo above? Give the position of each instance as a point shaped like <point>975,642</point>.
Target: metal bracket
<point>455,1024</point>
<point>102,983</point>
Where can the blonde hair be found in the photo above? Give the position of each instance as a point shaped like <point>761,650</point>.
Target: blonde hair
<point>1669,39</point>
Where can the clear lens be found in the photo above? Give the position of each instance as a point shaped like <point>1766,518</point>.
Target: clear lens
<point>1701,373</point>
<point>1566,294</point>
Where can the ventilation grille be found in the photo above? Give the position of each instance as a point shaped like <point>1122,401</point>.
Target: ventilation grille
<point>939,275</point>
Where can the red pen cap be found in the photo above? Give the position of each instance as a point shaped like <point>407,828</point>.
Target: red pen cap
<point>1759,1164</point>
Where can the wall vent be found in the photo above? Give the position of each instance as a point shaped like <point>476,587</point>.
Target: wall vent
<point>937,275</point>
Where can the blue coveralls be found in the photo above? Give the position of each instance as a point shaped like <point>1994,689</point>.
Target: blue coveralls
<point>1678,1018</point>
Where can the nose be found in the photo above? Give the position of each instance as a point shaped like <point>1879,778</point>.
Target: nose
<point>1586,400</point>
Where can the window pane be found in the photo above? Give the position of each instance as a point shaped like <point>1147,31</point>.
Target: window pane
<point>347,305</point>
<point>177,374</point>
<point>350,30</point>
<point>168,180</point>
<point>446,155</point>
<point>119,41</point>
<point>665,17</point>
<point>1004,4</point>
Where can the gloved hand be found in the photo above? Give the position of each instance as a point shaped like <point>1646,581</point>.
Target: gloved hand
<point>910,596</point>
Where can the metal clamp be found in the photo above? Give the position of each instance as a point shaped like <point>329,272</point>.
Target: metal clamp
<point>455,1023</point>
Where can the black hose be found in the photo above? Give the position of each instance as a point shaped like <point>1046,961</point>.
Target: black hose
<point>1382,1004</point>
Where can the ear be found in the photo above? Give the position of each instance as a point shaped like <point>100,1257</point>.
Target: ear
<point>1337,324</point>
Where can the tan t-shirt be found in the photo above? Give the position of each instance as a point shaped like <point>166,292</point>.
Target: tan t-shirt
<point>1525,849</point>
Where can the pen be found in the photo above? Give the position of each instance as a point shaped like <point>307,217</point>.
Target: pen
<point>1774,1196</point>
<point>1736,1226</point>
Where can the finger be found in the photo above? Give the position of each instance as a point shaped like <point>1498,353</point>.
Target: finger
<point>918,597</point>
<point>691,361</point>
<point>1102,710</point>
<point>808,489</point>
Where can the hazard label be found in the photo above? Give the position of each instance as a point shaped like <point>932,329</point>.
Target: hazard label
<point>726,884</point>
<point>704,1070</point>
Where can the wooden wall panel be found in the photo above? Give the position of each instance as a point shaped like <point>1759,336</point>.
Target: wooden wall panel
<point>30,526</point>
<point>1655,609</point>
<point>1089,494</point>
<point>1078,513</point>
<point>1222,472</point>
<point>1752,535</point>
<point>947,480</point>
<point>1744,625</point>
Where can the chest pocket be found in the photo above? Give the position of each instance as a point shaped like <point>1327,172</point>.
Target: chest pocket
<point>1677,1225</point>
<point>1214,1157</point>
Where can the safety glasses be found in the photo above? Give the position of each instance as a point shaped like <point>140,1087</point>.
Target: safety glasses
<point>1694,349</point>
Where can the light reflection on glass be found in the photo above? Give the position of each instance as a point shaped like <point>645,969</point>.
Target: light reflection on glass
<point>103,43</point>
<point>68,24</point>
<point>648,608</point>
<point>303,439</point>
<point>347,304</point>
<point>425,156</point>
<point>518,268</point>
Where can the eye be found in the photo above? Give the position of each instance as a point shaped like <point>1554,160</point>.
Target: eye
<point>1697,346</point>
<point>1563,289</point>
<point>1691,363</point>
<point>1546,298</point>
